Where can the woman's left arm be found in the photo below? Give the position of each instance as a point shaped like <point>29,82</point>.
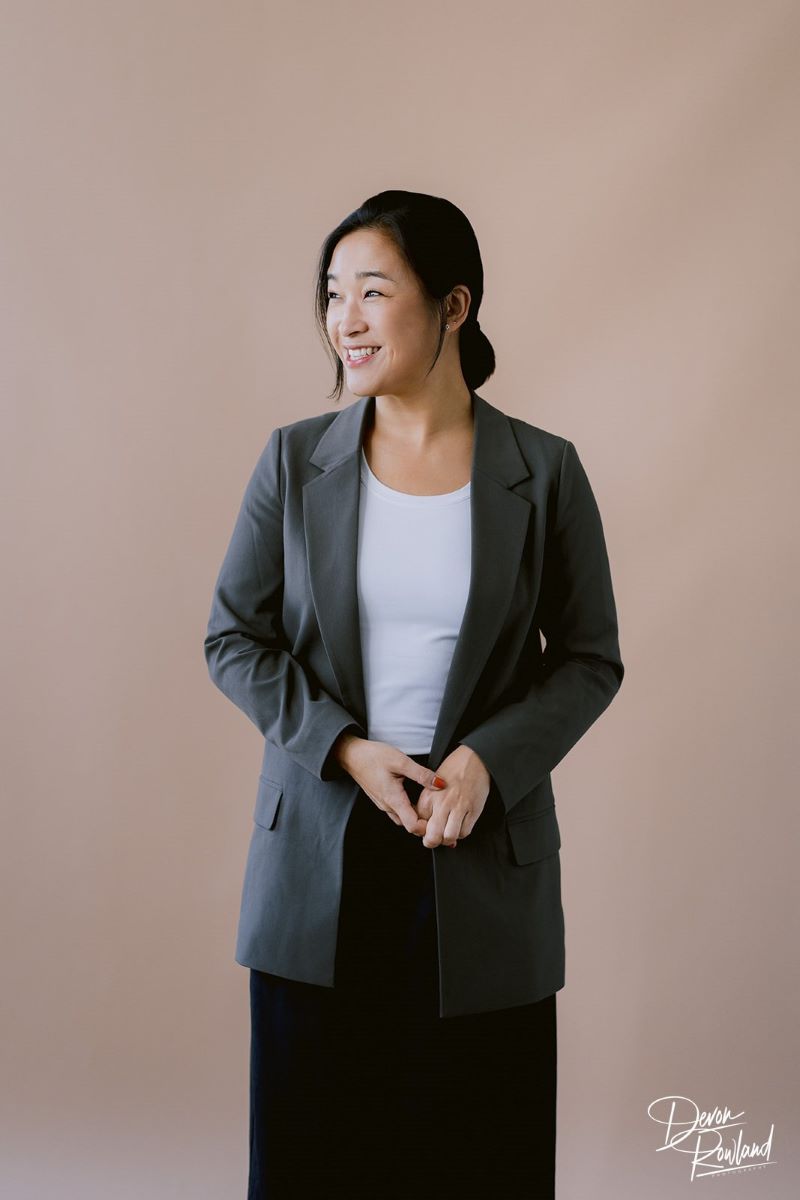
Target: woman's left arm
<point>520,744</point>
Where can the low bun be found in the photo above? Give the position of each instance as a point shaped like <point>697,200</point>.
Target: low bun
<point>477,354</point>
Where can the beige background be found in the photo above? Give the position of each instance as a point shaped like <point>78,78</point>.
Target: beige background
<point>169,172</point>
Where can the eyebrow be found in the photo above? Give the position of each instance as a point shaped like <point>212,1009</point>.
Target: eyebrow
<point>363,274</point>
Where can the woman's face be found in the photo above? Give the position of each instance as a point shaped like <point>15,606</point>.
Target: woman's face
<point>375,300</point>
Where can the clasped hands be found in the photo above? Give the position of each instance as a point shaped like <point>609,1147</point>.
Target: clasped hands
<point>452,798</point>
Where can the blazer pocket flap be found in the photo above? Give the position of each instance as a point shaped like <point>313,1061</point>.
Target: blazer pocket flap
<point>268,799</point>
<point>534,837</point>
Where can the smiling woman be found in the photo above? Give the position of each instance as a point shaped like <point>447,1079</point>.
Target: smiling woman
<point>379,616</point>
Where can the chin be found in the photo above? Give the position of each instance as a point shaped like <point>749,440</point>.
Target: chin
<point>360,389</point>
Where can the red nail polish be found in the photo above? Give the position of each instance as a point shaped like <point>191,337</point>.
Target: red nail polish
<point>439,782</point>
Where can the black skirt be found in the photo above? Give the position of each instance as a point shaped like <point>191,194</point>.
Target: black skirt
<point>363,1090</point>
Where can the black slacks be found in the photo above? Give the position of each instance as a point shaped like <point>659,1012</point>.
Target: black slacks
<point>363,1090</point>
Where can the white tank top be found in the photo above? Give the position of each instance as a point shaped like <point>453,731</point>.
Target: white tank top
<point>414,562</point>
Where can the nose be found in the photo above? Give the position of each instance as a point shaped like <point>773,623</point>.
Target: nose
<point>349,315</point>
<point>351,322</point>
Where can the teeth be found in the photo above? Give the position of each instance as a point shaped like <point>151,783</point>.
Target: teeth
<point>363,353</point>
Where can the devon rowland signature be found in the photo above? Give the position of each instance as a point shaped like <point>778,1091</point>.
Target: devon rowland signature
<point>703,1135</point>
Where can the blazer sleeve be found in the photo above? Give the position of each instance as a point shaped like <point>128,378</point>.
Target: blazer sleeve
<point>582,669</point>
<point>244,647</point>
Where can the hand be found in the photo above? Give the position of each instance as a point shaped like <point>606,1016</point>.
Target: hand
<point>451,813</point>
<point>379,769</point>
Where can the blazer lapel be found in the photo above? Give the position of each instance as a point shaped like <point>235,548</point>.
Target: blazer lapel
<point>499,525</point>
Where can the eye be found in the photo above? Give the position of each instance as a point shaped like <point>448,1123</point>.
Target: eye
<point>373,291</point>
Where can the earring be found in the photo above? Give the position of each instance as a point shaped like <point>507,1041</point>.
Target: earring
<point>447,326</point>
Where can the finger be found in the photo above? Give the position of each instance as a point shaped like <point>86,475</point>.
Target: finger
<point>418,826</point>
<point>434,834</point>
<point>406,813</point>
<point>424,805</point>
<point>416,771</point>
<point>444,834</point>
<point>426,800</point>
<point>426,841</point>
<point>389,806</point>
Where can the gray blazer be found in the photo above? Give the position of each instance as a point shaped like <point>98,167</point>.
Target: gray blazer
<point>283,644</point>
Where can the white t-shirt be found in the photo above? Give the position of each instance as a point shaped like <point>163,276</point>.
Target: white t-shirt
<point>414,563</point>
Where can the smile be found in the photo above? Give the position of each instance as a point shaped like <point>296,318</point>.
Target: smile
<point>355,358</point>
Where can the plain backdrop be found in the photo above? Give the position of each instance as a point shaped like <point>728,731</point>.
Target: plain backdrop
<point>169,170</point>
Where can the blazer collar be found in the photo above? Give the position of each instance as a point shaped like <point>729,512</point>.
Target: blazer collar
<point>499,525</point>
<point>495,449</point>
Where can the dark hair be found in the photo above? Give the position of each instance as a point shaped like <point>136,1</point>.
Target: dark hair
<point>440,246</point>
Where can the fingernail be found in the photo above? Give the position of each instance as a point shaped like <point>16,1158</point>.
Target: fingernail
<point>439,782</point>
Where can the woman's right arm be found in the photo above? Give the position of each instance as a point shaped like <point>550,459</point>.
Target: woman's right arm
<point>244,649</point>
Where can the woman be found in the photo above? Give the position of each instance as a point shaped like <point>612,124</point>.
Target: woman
<point>378,617</point>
